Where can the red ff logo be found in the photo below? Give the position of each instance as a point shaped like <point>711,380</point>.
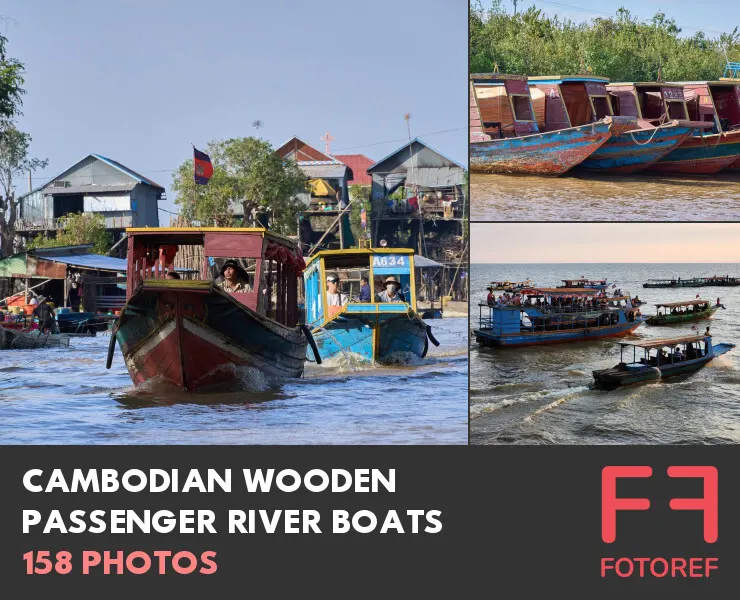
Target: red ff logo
<point>610,504</point>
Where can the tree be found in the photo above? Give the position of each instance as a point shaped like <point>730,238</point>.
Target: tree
<point>77,229</point>
<point>13,145</point>
<point>246,171</point>
<point>359,195</point>
<point>14,162</point>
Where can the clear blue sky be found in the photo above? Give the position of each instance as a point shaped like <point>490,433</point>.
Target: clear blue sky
<point>711,16</point>
<point>139,80</point>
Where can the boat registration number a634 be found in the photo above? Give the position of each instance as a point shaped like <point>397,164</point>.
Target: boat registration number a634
<point>391,264</point>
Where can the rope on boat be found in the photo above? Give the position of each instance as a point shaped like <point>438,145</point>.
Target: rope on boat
<point>307,332</point>
<point>661,122</point>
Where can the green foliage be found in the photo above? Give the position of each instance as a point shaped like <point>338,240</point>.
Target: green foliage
<point>360,197</point>
<point>14,162</point>
<point>80,228</point>
<point>246,171</point>
<point>11,80</point>
<point>621,48</point>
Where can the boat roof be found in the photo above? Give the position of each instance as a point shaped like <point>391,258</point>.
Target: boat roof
<point>584,279</point>
<point>569,291</point>
<point>193,232</point>
<point>715,82</point>
<point>648,83</point>
<point>658,343</point>
<point>358,252</point>
<point>567,78</point>
<point>683,303</point>
<point>497,76</point>
<point>731,80</point>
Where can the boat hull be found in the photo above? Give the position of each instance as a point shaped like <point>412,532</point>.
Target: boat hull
<point>635,151</point>
<point>197,339</point>
<point>372,336</point>
<point>488,338</point>
<point>551,153</point>
<point>701,155</point>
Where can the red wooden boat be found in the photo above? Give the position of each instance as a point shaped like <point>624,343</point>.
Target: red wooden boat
<point>505,137</point>
<point>192,334</point>
<point>715,103</point>
<point>725,106</point>
<point>636,142</point>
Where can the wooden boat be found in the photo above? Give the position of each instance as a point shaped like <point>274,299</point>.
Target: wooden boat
<point>192,334</point>
<point>694,352</point>
<point>669,313</point>
<point>541,317</point>
<point>715,281</point>
<point>716,103</point>
<point>20,339</point>
<point>578,100</point>
<point>373,330</point>
<point>731,112</point>
<point>505,137</point>
<point>594,284</point>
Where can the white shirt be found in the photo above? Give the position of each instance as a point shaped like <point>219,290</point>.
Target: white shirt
<point>336,299</point>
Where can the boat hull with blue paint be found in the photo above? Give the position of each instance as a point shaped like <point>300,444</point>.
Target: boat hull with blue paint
<point>701,155</point>
<point>635,151</point>
<point>551,153</point>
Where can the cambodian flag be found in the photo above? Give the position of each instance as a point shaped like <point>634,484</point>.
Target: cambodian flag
<point>202,167</point>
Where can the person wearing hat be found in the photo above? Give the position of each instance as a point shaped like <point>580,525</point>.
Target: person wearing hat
<point>391,292</point>
<point>45,314</point>
<point>235,279</point>
<point>333,296</point>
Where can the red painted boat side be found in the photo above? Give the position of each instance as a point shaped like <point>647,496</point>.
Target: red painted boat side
<point>705,155</point>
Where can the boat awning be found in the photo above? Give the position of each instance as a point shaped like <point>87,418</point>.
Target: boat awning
<point>421,262</point>
<point>659,343</point>
<point>565,291</point>
<point>683,303</point>
<point>87,261</point>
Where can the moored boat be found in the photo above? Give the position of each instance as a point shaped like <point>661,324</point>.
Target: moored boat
<point>555,315</point>
<point>505,137</point>
<point>716,103</point>
<point>576,100</point>
<point>594,284</point>
<point>372,327</point>
<point>669,313</point>
<point>192,333</point>
<point>716,281</point>
<point>731,114</point>
<point>683,355</point>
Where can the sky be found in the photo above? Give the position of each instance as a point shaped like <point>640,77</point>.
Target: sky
<point>534,243</point>
<point>138,81</point>
<point>711,16</point>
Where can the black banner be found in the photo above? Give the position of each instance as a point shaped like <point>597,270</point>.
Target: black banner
<point>491,520</point>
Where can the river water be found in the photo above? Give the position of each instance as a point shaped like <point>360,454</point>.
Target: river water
<point>605,198</point>
<point>542,395</point>
<point>66,396</point>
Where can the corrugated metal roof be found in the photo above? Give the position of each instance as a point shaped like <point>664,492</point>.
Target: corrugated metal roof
<point>359,164</point>
<point>336,170</point>
<point>89,261</point>
<point>128,171</point>
<point>404,147</point>
<point>89,189</point>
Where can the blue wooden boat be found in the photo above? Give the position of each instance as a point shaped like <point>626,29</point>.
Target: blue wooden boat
<point>374,330</point>
<point>505,137</point>
<point>541,318</point>
<point>580,100</point>
<point>660,359</point>
<point>592,284</point>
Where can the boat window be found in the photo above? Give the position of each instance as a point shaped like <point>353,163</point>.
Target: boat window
<point>522,108</point>
<point>676,109</point>
<point>652,105</point>
<point>246,268</point>
<point>601,105</point>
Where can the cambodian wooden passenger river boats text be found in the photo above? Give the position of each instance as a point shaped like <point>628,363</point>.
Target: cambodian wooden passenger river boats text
<point>192,333</point>
<point>669,313</point>
<point>660,359</point>
<point>373,326</point>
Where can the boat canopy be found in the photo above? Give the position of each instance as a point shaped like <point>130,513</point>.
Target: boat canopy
<point>682,303</point>
<point>659,343</point>
<point>567,78</point>
<point>559,291</point>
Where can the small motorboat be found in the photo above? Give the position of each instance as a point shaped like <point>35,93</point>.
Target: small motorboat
<point>662,358</point>
<point>669,313</point>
